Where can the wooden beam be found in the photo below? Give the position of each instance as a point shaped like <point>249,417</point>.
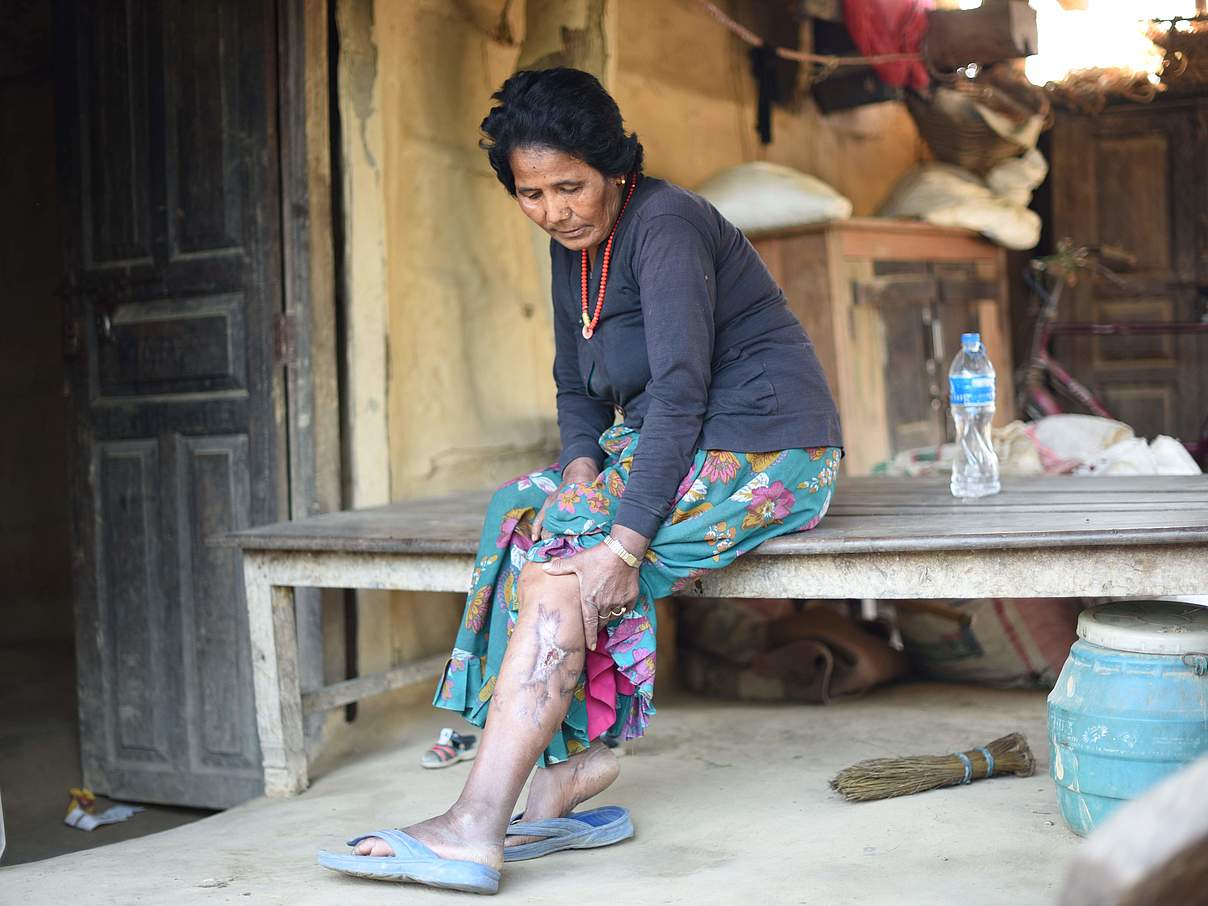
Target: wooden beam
<point>997,30</point>
<point>309,323</point>
<point>340,694</point>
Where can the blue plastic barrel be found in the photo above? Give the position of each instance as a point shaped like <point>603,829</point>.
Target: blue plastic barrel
<point>1130,706</point>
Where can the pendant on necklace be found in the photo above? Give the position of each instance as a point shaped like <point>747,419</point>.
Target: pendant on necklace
<point>587,331</point>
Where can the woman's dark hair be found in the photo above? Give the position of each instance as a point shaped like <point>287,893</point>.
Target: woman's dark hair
<point>564,109</point>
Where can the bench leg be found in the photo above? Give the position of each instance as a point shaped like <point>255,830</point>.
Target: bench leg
<point>275,672</point>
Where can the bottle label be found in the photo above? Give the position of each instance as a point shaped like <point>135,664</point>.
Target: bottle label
<point>975,390</point>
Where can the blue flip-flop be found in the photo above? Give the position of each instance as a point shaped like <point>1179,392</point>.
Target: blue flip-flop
<point>415,862</point>
<point>581,830</point>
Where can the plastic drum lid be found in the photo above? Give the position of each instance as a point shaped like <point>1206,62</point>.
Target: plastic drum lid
<point>1146,627</point>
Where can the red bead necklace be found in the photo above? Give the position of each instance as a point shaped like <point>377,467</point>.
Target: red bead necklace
<point>590,323</point>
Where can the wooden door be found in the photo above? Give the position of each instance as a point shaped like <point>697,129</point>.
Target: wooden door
<point>1134,177</point>
<point>169,154</point>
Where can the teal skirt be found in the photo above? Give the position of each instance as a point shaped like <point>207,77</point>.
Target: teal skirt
<point>727,504</point>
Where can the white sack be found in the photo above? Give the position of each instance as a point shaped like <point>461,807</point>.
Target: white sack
<point>1163,456</point>
<point>1087,445</point>
<point>760,197</point>
<point>1015,179</point>
<point>947,195</point>
<point>1081,437</point>
<point>1060,444</point>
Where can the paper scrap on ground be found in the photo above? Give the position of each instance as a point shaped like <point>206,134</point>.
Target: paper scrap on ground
<point>81,811</point>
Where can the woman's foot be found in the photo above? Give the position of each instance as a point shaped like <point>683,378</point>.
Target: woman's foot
<point>450,836</point>
<point>556,791</point>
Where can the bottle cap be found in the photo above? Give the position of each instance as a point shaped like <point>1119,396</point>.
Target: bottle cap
<point>971,340</point>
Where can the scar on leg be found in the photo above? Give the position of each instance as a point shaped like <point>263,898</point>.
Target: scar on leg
<point>550,654</point>
<point>547,666</point>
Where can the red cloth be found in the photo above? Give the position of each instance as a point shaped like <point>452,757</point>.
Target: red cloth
<point>890,26</point>
<point>604,681</point>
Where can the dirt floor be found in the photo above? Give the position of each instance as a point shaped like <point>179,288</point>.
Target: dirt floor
<point>729,800</point>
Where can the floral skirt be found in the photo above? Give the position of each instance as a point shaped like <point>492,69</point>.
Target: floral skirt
<point>727,504</point>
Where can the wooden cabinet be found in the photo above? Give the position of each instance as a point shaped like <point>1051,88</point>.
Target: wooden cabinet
<point>885,302</point>
<point>1134,177</point>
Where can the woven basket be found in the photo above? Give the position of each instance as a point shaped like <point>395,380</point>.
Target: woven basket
<point>950,121</point>
<point>1187,56</point>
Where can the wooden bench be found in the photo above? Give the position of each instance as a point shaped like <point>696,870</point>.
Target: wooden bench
<point>883,538</point>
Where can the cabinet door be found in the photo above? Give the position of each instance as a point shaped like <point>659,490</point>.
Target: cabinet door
<point>899,301</point>
<point>1131,177</point>
<point>913,400</point>
<point>969,299</point>
<point>922,308</point>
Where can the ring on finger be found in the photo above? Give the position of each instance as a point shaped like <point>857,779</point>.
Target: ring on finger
<point>617,612</point>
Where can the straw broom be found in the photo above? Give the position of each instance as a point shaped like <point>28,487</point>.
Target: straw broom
<point>882,778</point>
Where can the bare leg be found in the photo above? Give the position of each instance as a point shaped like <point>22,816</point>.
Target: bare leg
<point>540,669</point>
<point>555,791</point>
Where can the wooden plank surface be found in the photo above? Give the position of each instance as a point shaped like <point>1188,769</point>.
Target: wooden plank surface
<point>868,515</point>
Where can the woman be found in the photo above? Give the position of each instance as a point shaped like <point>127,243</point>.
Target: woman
<point>695,424</point>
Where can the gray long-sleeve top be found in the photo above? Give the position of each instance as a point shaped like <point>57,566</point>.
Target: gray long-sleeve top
<point>695,345</point>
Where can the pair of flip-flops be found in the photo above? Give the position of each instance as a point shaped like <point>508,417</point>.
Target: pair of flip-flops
<point>413,861</point>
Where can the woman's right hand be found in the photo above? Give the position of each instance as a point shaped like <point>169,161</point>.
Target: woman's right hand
<point>578,471</point>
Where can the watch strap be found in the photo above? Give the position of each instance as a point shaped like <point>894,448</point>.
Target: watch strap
<point>619,549</point>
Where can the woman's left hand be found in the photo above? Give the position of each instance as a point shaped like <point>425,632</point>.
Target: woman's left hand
<point>608,586</point>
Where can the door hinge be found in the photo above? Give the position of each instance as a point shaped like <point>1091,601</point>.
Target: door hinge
<point>285,337</point>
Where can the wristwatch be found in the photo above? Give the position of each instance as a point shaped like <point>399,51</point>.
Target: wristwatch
<point>619,549</point>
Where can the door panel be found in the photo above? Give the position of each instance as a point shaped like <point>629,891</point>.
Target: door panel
<point>1137,167</point>
<point>1130,177</point>
<point>114,123</point>
<point>130,594</point>
<point>1147,406</point>
<point>168,130</point>
<point>912,420</point>
<point>202,97</point>
<point>212,487</point>
<point>172,346</point>
<point>923,307</point>
<point>1155,351</point>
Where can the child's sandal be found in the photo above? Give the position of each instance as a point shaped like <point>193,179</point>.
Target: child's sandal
<point>448,749</point>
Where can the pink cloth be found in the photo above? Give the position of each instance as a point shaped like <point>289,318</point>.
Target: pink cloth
<point>890,26</point>
<point>603,684</point>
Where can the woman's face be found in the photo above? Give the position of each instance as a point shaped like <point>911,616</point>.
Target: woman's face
<point>569,199</point>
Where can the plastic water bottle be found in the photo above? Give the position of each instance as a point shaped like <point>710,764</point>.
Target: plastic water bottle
<point>971,392</point>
